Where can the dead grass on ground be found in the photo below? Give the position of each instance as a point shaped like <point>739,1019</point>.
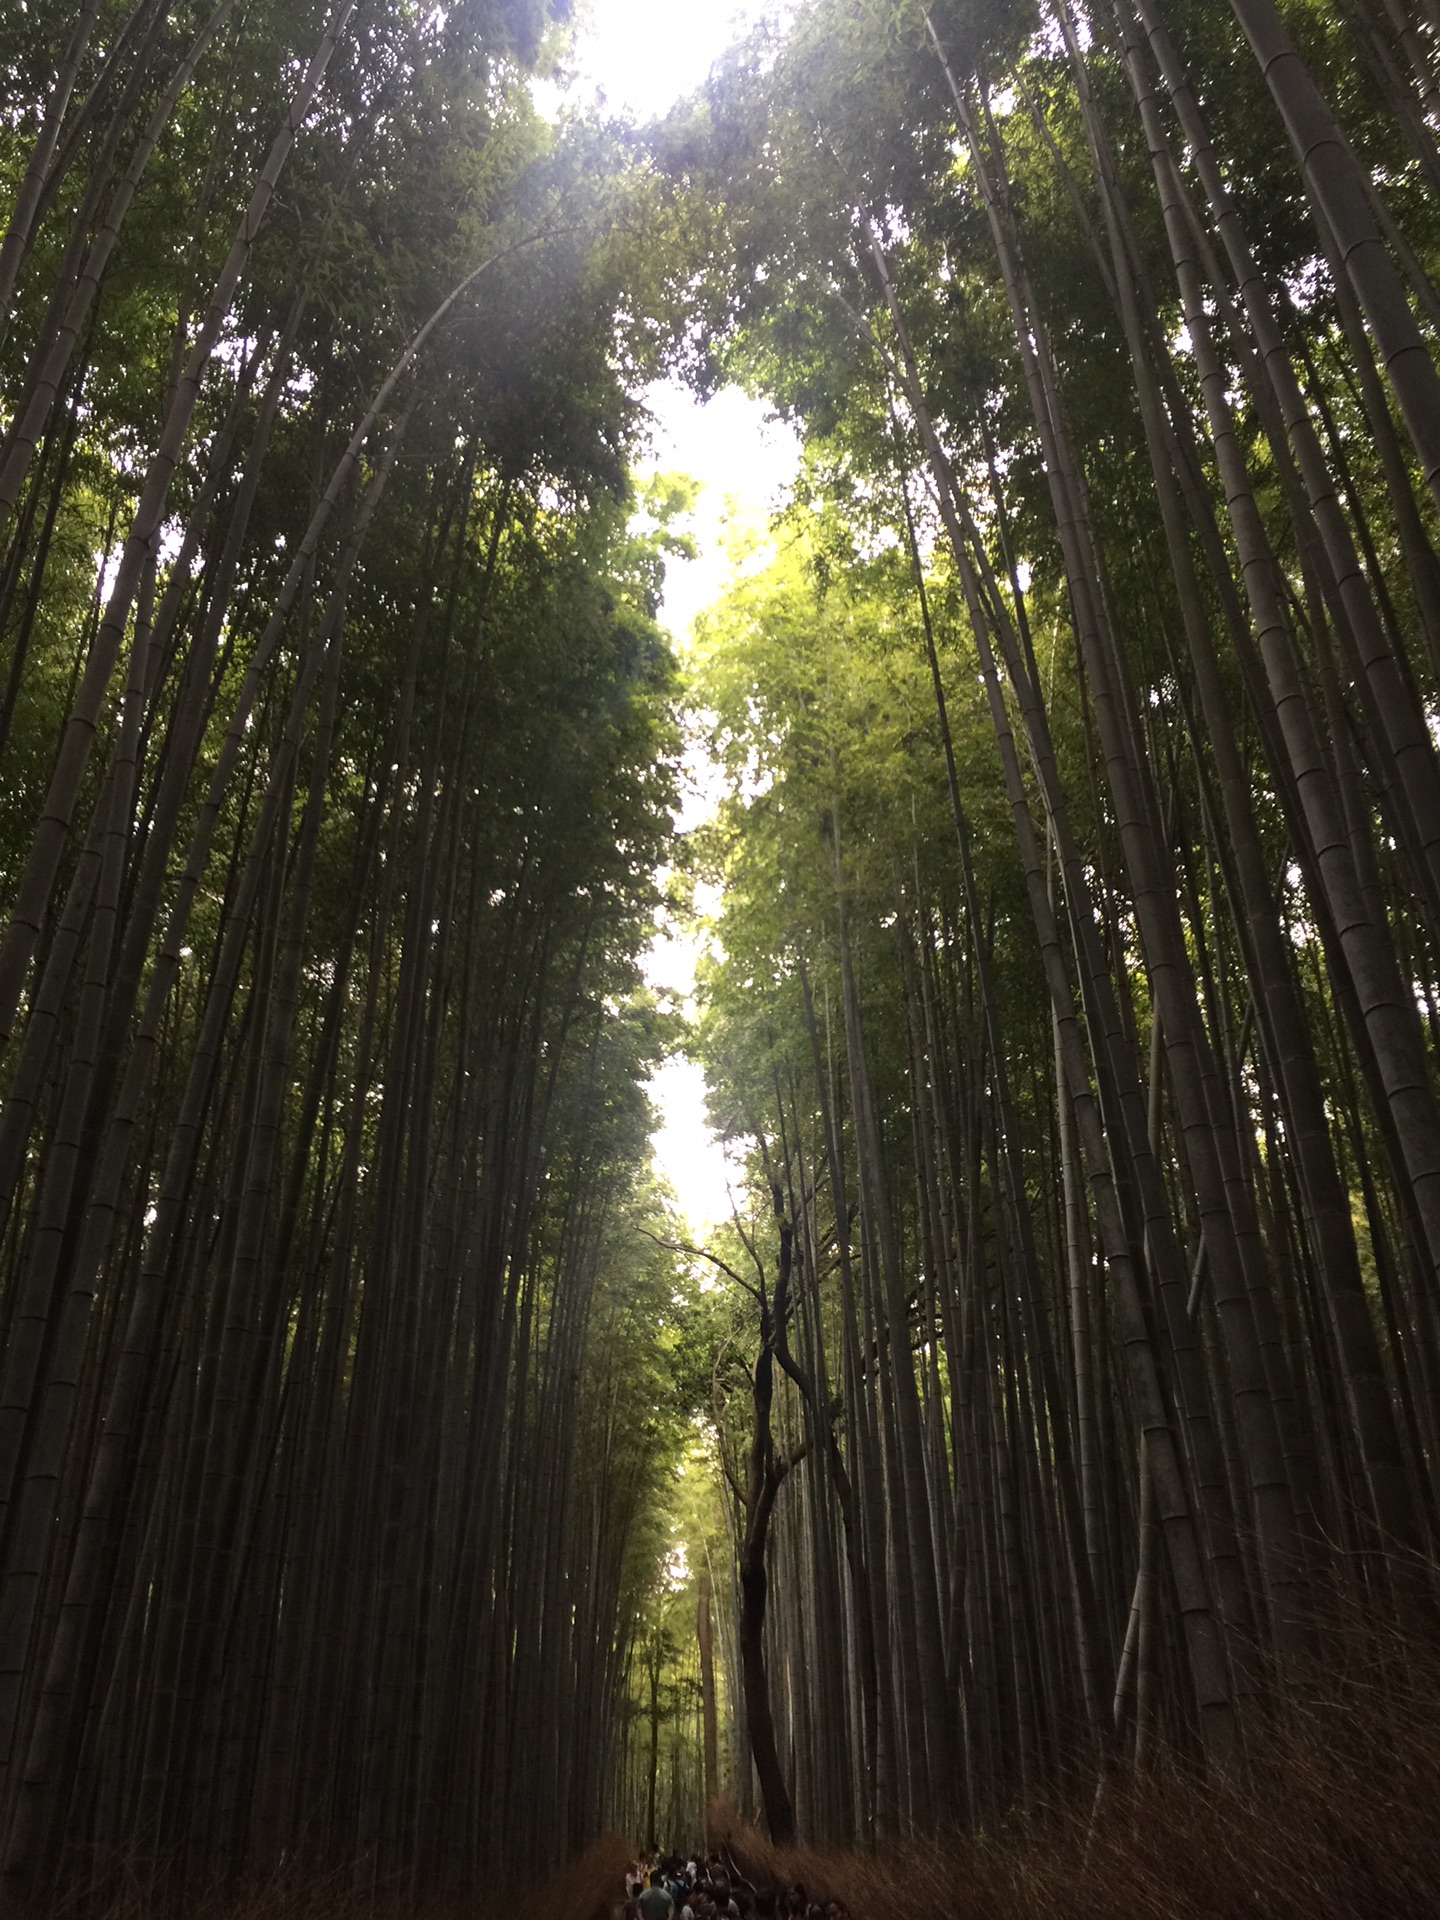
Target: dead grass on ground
<point>1336,1816</point>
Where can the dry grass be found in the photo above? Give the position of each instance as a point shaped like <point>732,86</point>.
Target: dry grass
<point>1336,1817</point>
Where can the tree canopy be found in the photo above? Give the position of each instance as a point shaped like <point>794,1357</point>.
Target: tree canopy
<point>388,1487</point>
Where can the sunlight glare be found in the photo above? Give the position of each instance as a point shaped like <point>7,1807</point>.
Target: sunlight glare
<point>641,56</point>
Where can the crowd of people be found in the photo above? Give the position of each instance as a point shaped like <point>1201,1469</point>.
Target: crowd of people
<point>669,1887</point>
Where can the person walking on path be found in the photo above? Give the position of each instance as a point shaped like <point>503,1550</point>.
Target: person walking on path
<point>655,1902</point>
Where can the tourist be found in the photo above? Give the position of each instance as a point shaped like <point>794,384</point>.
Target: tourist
<point>654,1901</point>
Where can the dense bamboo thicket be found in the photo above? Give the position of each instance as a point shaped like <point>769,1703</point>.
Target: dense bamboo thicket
<point>338,760</point>
<point>388,1491</point>
<point>1076,1006</point>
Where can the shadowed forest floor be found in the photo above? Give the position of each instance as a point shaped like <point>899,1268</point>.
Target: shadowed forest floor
<point>1336,1820</point>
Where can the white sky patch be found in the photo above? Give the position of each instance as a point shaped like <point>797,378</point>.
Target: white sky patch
<point>109,566</point>
<point>640,57</point>
<point>744,462</point>
<point>676,1567</point>
<point>687,1154</point>
<point>744,459</point>
<point>172,538</point>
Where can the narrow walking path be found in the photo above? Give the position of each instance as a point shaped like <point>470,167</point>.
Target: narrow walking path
<point>707,1887</point>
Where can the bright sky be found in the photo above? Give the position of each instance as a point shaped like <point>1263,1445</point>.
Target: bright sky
<point>642,56</point>
<point>743,462</point>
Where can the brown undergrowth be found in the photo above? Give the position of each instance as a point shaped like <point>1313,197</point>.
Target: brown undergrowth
<point>1334,1816</point>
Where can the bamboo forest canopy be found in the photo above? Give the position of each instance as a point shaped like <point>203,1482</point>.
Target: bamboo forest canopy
<point>388,1486</point>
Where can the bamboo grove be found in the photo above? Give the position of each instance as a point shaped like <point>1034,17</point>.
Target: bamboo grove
<point>1073,1011</point>
<point>338,749</point>
<point>1076,997</point>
